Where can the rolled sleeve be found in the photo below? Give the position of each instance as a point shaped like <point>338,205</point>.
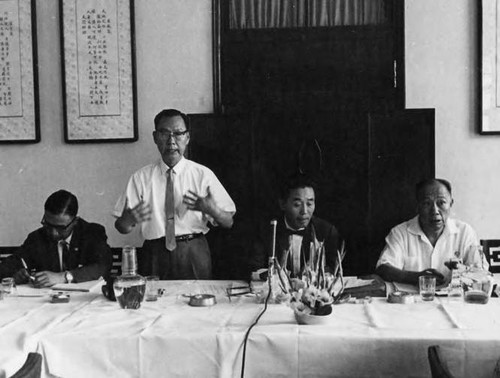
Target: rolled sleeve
<point>131,197</point>
<point>220,195</point>
<point>393,252</point>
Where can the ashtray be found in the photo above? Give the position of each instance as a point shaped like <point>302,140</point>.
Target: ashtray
<point>401,297</point>
<point>60,298</point>
<point>202,300</point>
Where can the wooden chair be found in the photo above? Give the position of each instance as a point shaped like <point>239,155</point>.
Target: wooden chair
<point>439,369</point>
<point>6,252</point>
<point>491,250</point>
<point>116,268</point>
<point>32,368</point>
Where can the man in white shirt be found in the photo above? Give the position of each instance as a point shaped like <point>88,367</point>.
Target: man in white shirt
<point>198,198</point>
<point>422,245</point>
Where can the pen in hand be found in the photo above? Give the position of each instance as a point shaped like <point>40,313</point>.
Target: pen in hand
<point>32,279</point>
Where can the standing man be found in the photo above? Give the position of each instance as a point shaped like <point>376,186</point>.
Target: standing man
<point>422,245</point>
<point>297,228</point>
<point>65,249</point>
<point>173,200</point>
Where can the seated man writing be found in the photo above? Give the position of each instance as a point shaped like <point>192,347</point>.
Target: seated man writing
<point>297,228</point>
<point>422,245</point>
<point>65,249</point>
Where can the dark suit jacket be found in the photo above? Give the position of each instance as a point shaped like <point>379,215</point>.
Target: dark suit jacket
<point>323,230</point>
<point>89,254</point>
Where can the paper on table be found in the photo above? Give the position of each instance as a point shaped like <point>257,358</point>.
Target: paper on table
<point>30,291</point>
<point>352,282</point>
<point>80,286</point>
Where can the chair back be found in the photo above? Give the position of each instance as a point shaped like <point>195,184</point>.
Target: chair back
<point>439,369</point>
<point>32,367</point>
<point>491,250</point>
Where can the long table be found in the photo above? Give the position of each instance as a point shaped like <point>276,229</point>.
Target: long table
<point>93,337</point>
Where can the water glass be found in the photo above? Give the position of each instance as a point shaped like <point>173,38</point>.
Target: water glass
<point>152,288</point>
<point>478,285</point>
<point>7,285</point>
<point>427,287</point>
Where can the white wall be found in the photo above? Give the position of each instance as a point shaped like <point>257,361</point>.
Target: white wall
<point>441,73</point>
<point>174,69</point>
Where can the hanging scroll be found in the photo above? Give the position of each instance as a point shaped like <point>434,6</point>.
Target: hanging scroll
<point>19,118</point>
<point>99,72</point>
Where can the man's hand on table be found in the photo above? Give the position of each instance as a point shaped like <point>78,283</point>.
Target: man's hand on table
<point>21,276</point>
<point>48,279</point>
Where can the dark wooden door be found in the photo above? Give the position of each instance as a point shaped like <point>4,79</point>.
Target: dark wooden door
<point>326,101</point>
<point>366,167</point>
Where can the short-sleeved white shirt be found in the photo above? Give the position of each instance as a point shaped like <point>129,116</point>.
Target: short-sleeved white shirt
<point>149,184</point>
<point>408,248</point>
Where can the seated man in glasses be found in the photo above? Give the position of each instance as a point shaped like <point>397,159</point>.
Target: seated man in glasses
<point>65,249</point>
<point>296,229</point>
<point>173,200</point>
<point>422,245</point>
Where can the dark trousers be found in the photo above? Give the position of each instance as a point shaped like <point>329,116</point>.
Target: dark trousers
<point>189,260</point>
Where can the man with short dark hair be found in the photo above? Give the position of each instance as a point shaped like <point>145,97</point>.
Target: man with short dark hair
<point>65,249</point>
<point>422,245</point>
<point>297,228</point>
<point>173,200</point>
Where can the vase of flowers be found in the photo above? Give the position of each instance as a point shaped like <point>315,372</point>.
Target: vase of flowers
<point>317,290</point>
<point>313,295</point>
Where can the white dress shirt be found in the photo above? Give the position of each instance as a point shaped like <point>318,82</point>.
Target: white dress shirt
<point>296,248</point>
<point>149,184</point>
<point>408,248</point>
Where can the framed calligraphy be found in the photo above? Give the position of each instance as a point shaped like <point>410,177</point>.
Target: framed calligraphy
<point>98,71</point>
<point>489,54</point>
<point>19,107</point>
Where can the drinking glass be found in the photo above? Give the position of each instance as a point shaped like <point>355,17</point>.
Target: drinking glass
<point>152,288</point>
<point>427,287</point>
<point>478,285</point>
<point>7,285</point>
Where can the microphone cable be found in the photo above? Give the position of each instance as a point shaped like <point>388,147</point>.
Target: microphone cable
<point>250,328</point>
<point>274,223</point>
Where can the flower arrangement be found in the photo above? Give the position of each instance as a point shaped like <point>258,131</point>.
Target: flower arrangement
<point>317,290</point>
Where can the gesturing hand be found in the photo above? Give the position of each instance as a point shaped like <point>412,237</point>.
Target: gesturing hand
<point>138,214</point>
<point>204,204</point>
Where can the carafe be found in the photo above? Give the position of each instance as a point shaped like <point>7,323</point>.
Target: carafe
<point>130,287</point>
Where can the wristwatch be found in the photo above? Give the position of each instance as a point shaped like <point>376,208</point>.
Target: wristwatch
<point>68,277</point>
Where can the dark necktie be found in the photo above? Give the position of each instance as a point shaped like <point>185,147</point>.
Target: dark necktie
<point>65,256</point>
<point>170,212</point>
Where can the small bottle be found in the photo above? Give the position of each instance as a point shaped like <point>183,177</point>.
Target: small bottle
<point>455,290</point>
<point>130,287</point>
<point>272,280</point>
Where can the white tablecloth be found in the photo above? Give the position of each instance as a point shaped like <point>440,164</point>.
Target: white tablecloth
<point>93,337</point>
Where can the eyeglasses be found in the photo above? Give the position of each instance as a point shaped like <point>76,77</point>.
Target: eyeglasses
<point>57,227</point>
<point>177,135</point>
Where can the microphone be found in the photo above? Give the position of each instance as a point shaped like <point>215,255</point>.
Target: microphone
<point>274,223</point>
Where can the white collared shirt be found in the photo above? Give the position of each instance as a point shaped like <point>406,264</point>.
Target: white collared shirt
<point>296,247</point>
<point>149,184</point>
<point>408,248</point>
